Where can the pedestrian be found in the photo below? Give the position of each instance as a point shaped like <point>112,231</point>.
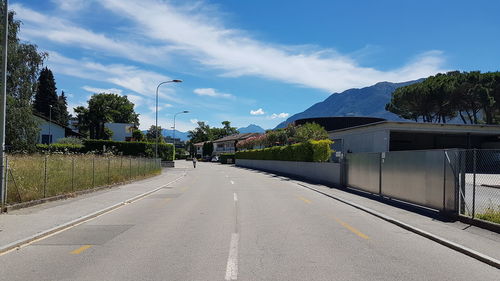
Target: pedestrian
<point>194,161</point>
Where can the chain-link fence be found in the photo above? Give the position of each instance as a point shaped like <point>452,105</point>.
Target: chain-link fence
<point>479,184</point>
<point>32,177</point>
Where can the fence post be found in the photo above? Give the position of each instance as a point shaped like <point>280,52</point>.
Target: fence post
<point>45,177</point>
<point>73,174</point>
<point>474,163</point>
<point>93,171</point>
<point>6,189</point>
<point>109,176</point>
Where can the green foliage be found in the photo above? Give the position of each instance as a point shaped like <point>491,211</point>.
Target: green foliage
<point>62,109</point>
<point>47,102</point>
<point>145,149</point>
<point>473,96</point>
<point>205,133</point>
<point>104,108</point>
<point>310,131</point>
<point>223,158</point>
<point>491,214</point>
<point>208,148</point>
<point>60,148</point>
<point>70,141</point>
<point>23,67</point>
<point>138,135</point>
<point>310,151</point>
<point>154,132</point>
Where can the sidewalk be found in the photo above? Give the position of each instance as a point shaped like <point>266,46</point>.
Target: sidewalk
<point>481,240</point>
<point>23,223</point>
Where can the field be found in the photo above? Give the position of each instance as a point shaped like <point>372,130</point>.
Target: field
<point>32,177</point>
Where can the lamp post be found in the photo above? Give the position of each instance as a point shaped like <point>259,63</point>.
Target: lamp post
<point>156,123</point>
<point>50,122</point>
<point>3,98</point>
<point>185,111</point>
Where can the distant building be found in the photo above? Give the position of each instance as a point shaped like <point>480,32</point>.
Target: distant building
<point>199,148</point>
<point>51,131</point>
<point>228,144</point>
<point>121,131</point>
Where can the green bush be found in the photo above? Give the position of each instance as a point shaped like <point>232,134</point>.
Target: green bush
<point>224,157</point>
<point>311,151</point>
<point>70,141</point>
<point>145,149</point>
<point>60,147</point>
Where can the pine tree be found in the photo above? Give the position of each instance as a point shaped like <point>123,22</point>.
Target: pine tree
<point>62,113</point>
<point>46,94</point>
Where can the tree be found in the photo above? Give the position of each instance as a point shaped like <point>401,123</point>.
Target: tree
<point>62,113</point>
<point>105,108</point>
<point>23,66</point>
<point>310,131</point>
<point>153,132</point>
<point>46,95</point>
<point>138,135</point>
<point>208,148</point>
<point>201,133</point>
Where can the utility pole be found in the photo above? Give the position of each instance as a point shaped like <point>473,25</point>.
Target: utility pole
<point>3,99</point>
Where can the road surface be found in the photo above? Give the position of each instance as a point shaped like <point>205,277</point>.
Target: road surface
<point>226,223</point>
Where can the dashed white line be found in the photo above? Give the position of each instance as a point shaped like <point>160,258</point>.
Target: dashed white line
<point>232,260</point>
<point>232,182</point>
<point>235,197</point>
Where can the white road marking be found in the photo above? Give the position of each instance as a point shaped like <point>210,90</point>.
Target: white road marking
<point>232,182</point>
<point>232,260</point>
<point>235,197</point>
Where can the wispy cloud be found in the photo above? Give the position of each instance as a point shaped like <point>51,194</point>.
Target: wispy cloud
<point>101,90</point>
<point>259,111</point>
<point>210,92</point>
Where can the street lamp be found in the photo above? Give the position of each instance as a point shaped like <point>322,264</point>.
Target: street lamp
<point>156,123</point>
<point>50,122</point>
<point>185,111</point>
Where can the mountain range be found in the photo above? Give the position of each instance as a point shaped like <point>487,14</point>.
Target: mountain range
<point>368,101</point>
<point>252,128</point>
<point>183,136</point>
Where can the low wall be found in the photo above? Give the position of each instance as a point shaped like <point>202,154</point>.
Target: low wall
<point>321,172</point>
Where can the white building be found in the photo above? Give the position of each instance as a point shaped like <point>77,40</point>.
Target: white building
<point>51,132</point>
<point>121,131</point>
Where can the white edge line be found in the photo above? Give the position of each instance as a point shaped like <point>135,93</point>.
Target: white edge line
<point>22,242</point>
<point>232,260</point>
<point>232,182</point>
<point>235,197</point>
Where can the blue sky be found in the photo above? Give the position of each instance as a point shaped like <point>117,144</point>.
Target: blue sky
<point>252,61</point>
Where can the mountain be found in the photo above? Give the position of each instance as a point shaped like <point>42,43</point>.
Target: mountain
<point>183,136</point>
<point>368,101</point>
<point>252,128</point>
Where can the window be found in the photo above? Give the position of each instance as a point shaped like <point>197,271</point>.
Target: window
<point>46,139</point>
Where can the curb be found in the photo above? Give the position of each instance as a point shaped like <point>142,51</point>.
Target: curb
<point>452,245</point>
<point>22,242</point>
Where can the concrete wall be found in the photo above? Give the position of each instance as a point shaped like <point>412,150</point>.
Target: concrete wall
<point>56,131</point>
<point>322,172</point>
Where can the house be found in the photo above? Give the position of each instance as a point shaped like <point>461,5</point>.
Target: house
<point>199,148</point>
<point>228,144</point>
<point>51,131</point>
<point>366,134</point>
<point>121,131</point>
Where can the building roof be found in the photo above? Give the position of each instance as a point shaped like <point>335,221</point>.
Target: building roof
<point>200,143</point>
<point>68,130</point>
<point>237,137</point>
<point>425,127</point>
<point>339,122</point>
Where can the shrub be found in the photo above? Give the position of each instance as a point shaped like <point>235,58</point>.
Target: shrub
<point>311,151</point>
<point>60,147</point>
<point>70,141</point>
<point>145,149</point>
<point>224,157</point>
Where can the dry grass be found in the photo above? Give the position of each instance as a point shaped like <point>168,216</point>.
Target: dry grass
<point>491,214</point>
<point>33,177</point>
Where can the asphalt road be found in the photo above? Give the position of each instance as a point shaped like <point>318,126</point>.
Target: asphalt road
<point>226,223</point>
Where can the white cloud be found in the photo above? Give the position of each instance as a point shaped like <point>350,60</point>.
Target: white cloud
<point>71,5</point>
<point>101,90</point>
<point>193,121</point>
<point>257,112</point>
<point>279,116</point>
<point>210,92</point>
<point>202,35</point>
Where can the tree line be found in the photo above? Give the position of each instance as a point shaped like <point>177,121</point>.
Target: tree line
<point>471,97</point>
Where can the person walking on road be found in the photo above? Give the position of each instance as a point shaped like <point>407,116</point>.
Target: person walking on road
<point>194,162</point>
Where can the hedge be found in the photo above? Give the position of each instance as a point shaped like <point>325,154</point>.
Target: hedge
<point>225,156</point>
<point>146,149</point>
<point>60,147</point>
<point>311,151</point>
